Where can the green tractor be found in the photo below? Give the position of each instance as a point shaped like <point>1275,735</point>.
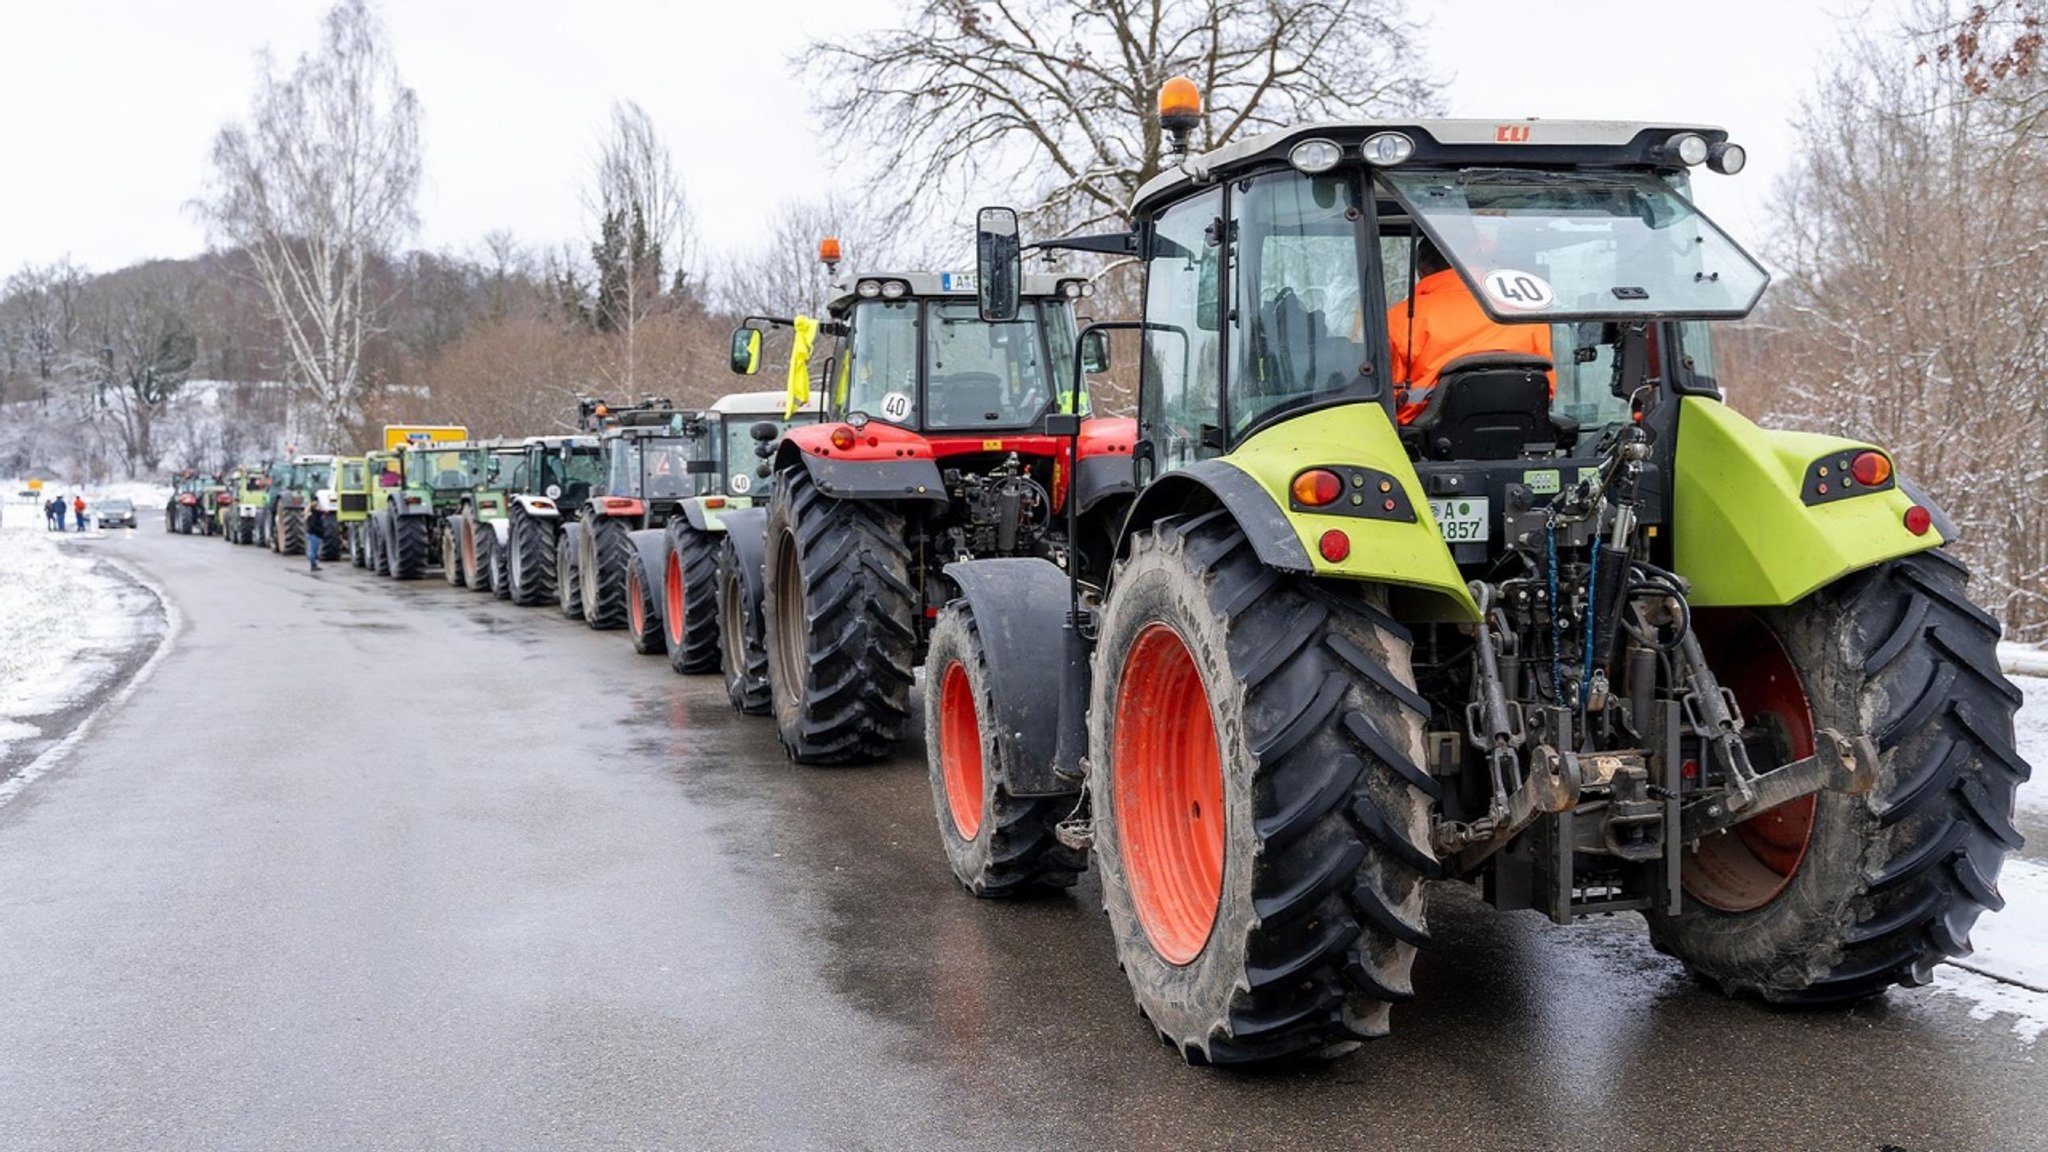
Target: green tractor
<point>294,485</point>
<point>547,490</point>
<point>351,506</point>
<point>1563,627</point>
<point>471,538</point>
<point>427,487</point>
<point>381,472</point>
<point>251,486</point>
<point>672,597</point>
<point>654,458</point>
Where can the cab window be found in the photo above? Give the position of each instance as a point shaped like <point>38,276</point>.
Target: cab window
<point>1178,380</point>
<point>1298,318</point>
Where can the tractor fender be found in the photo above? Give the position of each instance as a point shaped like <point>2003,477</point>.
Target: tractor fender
<point>502,529</point>
<point>1097,478</point>
<point>572,532</point>
<point>1750,527</point>
<point>694,515</point>
<point>650,551</point>
<point>1399,547</point>
<point>902,468</point>
<point>747,528</point>
<point>1020,610</point>
<point>536,505</point>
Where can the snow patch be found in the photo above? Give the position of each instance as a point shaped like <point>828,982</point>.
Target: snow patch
<point>2024,659</point>
<point>60,624</point>
<point>2031,727</point>
<point>1991,998</point>
<point>2012,943</point>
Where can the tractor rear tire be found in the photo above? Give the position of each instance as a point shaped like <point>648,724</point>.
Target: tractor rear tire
<point>408,559</point>
<point>568,578</point>
<point>531,568</point>
<point>643,619</point>
<point>607,555</point>
<point>996,843</point>
<point>840,616</point>
<point>476,556</point>
<point>743,650</point>
<point>330,546</point>
<point>451,557</point>
<point>291,532</point>
<point>377,545</point>
<point>357,555</point>
<point>1839,897</point>
<point>689,590</point>
<point>1261,816</point>
<point>501,580</point>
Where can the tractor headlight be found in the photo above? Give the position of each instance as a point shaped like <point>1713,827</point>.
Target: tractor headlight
<point>1727,159</point>
<point>1314,156</point>
<point>893,289</point>
<point>869,289</point>
<point>1387,149</point>
<point>1689,148</point>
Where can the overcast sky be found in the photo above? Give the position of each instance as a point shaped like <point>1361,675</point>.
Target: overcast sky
<point>110,105</point>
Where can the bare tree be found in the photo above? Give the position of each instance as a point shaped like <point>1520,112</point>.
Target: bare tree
<point>643,227</point>
<point>1914,312</point>
<point>322,179</point>
<point>39,322</point>
<point>140,347</point>
<point>1053,101</point>
<point>782,275</point>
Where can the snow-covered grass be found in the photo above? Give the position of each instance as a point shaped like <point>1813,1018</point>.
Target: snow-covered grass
<point>61,624</point>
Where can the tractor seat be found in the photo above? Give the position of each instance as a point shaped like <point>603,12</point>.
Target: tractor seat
<point>967,398</point>
<point>1490,406</point>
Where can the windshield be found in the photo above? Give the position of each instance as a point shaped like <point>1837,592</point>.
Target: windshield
<point>1578,246</point>
<point>740,462</point>
<point>978,375</point>
<point>662,463</point>
<point>445,469</point>
<point>352,476</point>
<point>507,470</point>
<point>311,475</point>
<point>116,506</point>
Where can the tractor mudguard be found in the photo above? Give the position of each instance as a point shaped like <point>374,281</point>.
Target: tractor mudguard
<point>1401,547</point>
<point>1099,477</point>
<point>694,515</point>
<point>897,465</point>
<point>502,529</point>
<point>747,528</point>
<point>1020,611</point>
<point>538,506</point>
<point>650,551</point>
<point>1755,521</point>
<point>572,533</point>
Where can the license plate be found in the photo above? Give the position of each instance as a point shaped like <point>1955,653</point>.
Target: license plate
<point>1462,519</point>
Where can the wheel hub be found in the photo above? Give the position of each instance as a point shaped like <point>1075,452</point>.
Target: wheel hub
<point>1167,785</point>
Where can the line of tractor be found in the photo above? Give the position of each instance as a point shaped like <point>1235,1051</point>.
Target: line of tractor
<point>1315,631</point>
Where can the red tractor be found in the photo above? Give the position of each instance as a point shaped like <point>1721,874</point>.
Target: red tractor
<point>933,449</point>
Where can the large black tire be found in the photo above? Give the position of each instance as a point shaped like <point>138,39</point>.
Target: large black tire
<point>689,590</point>
<point>377,544</point>
<point>1309,805</point>
<point>170,518</point>
<point>743,649</point>
<point>358,555</point>
<point>476,557</point>
<point>531,570</point>
<point>607,555</point>
<point>996,843</point>
<point>1888,885</point>
<point>841,624</point>
<point>451,556</point>
<point>568,578</point>
<point>408,558</point>
<point>643,617</point>
<point>330,545</point>
<point>501,578</point>
<point>291,532</point>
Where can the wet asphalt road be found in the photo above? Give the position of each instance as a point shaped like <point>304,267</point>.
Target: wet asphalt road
<point>372,865</point>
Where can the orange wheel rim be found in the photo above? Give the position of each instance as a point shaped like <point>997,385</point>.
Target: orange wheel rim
<point>1167,788</point>
<point>672,594</point>
<point>960,750</point>
<point>1748,868</point>
<point>468,549</point>
<point>633,606</point>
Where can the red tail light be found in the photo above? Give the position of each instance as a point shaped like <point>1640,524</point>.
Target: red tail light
<point>842,438</point>
<point>1317,487</point>
<point>1870,469</point>
<point>1919,520</point>
<point>1334,546</point>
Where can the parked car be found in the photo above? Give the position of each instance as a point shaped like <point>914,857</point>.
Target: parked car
<point>115,513</point>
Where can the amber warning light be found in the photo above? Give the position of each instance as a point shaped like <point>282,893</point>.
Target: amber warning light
<point>828,251</point>
<point>1180,110</point>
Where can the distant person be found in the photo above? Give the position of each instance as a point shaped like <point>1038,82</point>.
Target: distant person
<point>78,511</point>
<point>319,523</point>
<point>50,518</point>
<point>58,504</point>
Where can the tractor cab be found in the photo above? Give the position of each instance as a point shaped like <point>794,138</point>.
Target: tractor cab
<point>559,471</point>
<point>440,477</point>
<point>743,429</point>
<point>653,458</point>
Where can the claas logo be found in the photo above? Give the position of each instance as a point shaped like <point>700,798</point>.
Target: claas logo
<point>1511,134</point>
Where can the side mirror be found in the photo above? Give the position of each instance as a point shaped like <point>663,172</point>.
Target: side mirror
<point>998,263</point>
<point>1094,352</point>
<point>764,431</point>
<point>746,350</point>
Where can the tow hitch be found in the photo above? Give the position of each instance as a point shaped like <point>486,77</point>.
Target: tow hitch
<point>1839,764</point>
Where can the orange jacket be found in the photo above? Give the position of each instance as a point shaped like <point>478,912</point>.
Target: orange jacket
<point>1448,324</point>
